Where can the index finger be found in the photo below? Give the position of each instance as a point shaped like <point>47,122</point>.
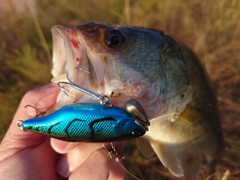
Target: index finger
<point>43,99</point>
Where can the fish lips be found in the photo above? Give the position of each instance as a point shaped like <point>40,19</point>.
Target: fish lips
<point>61,50</point>
<point>71,55</point>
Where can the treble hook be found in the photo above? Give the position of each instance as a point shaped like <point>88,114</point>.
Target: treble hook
<point>38,113</point>
<point>113,154</point>
<point>104,100</point>
<point>68,93</point>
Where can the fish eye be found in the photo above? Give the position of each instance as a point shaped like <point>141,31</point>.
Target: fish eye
<point>114,38</point>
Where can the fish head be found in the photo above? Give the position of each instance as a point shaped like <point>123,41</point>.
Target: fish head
<point>120,62</point>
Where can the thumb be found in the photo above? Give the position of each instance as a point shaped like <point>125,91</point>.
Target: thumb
<point>15,140</point>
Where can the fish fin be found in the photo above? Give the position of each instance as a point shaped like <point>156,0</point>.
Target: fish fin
<point>180,164</point>
<point>191,166</point>
<point>144,147</point>
<point>168,157</point>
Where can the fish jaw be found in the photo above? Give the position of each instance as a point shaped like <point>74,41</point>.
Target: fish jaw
<point>69,55</point>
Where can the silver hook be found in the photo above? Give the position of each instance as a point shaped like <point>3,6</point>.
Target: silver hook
<point>82,69</point>
<point>69,93</point>
<point>113,154</point>
<point>104,100</point>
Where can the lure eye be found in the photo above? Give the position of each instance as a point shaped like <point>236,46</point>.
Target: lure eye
<point>114,38</point>
<point>137,133</point>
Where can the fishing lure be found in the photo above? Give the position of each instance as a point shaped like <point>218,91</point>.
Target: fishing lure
<point>92,122</point>
<point>89,122</point>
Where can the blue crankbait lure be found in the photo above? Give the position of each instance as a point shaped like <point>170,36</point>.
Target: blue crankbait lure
<point>91,122</point>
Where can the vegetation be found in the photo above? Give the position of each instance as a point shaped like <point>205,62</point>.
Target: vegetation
<point>210,28</point>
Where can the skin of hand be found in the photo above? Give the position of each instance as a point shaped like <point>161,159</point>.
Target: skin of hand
<point>29,155</point>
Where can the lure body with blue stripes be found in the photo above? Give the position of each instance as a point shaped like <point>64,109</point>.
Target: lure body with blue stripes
<point>87,122</point>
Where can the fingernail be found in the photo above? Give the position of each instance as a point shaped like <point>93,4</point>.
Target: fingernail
<point>62,146</point>
<point>30,111</point>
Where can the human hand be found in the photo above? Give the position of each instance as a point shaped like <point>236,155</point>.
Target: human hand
<point>28,155</point>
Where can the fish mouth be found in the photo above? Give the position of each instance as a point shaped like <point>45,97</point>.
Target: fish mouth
<point>71,56</point>
<point>68,50</point>
<point>61,47</point>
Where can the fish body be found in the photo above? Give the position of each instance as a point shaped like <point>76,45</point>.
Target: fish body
<point>164,76</point>
<point>86,122</point>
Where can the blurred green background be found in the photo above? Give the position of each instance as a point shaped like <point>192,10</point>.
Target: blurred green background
<point>210,28</point>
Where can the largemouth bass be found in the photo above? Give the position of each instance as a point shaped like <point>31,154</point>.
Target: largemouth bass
<point>165,77</point>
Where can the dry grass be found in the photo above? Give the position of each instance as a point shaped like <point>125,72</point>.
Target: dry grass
<point>210,28</point>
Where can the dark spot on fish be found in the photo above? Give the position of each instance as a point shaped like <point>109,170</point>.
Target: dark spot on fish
<point>189,160</point>
<point>115,94</point>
